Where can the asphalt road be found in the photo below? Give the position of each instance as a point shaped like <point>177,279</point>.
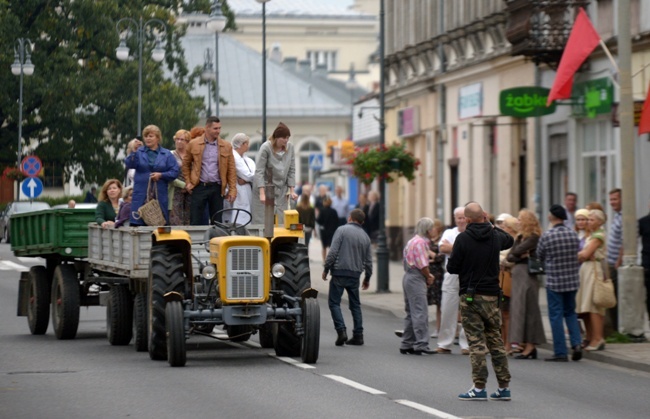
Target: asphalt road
<point>41,376</point>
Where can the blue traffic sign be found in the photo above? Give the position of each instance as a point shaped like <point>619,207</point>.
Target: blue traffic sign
<point>316,161</point>
<point>31,166</point>
<point>32,187</point>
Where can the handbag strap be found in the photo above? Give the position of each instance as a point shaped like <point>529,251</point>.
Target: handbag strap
<point>155,190</point>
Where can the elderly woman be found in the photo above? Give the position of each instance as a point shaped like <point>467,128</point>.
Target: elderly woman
<point>109,203</point>
<point>276,155</point>
<point>417,277</point>
<point>510,225</point>
<point>179,198</point>
<point>245,167</point>
<point>592,256</point>
<point>525,316</point>
<point>582,225</point>
<point>155,164</point>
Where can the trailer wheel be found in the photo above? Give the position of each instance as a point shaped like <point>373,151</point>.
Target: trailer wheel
<point>166,274</point>
<point>140,322</point>
<point>176,352</point>
<point>38,309</point>
<point>266,335</point>
<point>295,258</point>
<point>242,331</point>
<point>65,302</point>
<point>119,315</point>
<point>311,338</point>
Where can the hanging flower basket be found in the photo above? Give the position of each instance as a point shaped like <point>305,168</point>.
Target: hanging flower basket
<point>381,162</point>
<point>13,174</point>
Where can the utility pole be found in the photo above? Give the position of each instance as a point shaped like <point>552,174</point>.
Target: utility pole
<point>630,275</point>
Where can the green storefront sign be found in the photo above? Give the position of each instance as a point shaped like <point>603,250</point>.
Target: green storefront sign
<point>524,102</point>
<point>593,97</point>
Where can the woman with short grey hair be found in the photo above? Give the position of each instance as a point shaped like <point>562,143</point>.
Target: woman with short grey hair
<point>417,277</point>
<point>245,168</point>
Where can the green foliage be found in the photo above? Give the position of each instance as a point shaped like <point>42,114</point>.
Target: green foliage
<point>381,162</point>
<point>80,105</point>
<point>61,199</point>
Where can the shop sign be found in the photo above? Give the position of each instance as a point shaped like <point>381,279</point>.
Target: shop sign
<point>525,102</point>
<point>470,101</point>
<point>593,97</point>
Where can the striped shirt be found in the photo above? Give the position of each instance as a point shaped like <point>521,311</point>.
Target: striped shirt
<point>615,239</point>
<point>416,252</point>
<point>558,248</point>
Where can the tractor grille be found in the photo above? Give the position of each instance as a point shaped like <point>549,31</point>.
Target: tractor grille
<point>245,278</point>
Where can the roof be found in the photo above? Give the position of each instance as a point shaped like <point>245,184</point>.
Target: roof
<point>240,83</point>
<point>298,9</point>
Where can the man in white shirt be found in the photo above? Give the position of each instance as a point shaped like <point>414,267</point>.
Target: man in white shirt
<point>450,288</point>
<point>341,205</point>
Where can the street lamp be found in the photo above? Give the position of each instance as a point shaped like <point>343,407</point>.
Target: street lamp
<point>263,67</point>
<point>209,76</point>
<point>22,65</point>
<point>216,24</point>
<point>382,249</point>
<point>139,30</point>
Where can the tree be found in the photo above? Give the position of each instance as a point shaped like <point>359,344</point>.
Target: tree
<point>80,105</point>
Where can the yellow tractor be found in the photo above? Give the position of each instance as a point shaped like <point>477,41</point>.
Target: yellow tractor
<point>248,285</point>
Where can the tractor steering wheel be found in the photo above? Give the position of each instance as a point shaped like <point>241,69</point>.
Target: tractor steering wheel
<point>230,227</point>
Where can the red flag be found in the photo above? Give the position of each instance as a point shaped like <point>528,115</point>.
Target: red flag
<point>582,41</point>
<point>644,122</point>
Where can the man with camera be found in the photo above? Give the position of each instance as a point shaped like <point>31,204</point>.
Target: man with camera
<point>475,259</point>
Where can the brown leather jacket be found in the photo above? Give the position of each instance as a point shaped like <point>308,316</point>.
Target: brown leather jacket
<point>192,165</point>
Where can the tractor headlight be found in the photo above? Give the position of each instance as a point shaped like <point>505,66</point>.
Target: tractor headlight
<point>277,270</point>
<point>209,272</point>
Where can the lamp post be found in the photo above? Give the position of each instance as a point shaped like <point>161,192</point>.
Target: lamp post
<point>263,67</point>
<point>209,76</point>
<point>351,84</point>
<point>138,28</point>
<point>382,249</point>
<point>216,24</point>
<point>22,65</point>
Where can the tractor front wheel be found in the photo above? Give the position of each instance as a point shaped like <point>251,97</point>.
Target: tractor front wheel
<point>311,338</point>
<point>176,351</point>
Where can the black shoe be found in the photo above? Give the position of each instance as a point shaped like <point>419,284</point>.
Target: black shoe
<point>555,358</point>
<point>343,336</point>
<point>409,351</point>
<point>356,340</point>
<point>423,352</point>
<point>531,355</point>
<point>577,353</point>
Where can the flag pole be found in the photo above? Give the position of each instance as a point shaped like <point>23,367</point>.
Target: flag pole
<point>611,59</point>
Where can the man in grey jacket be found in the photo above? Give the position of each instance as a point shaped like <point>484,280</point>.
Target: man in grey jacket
<point>349,256</point>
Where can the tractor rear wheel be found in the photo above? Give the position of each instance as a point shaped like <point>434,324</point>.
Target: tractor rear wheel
<point>65,302</point>
<point>38,308</point>
<point>140,322</point>
<point>311,323</point>
<point>166,274</point>
<point>176,351</point>
<point>119,315</point>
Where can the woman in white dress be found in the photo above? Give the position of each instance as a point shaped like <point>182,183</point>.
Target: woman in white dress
<point>245,168</point>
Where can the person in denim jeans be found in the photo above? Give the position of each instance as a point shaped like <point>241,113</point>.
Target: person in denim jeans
<point>349,256</point>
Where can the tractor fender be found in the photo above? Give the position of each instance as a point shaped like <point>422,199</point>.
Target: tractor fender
<point>309,293</point>
<point>173,296</point>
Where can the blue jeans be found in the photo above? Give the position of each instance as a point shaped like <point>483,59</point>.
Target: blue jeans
<point>351,285</point>
<point>562,306</point>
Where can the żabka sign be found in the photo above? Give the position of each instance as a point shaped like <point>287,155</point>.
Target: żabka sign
<point>524,102</point>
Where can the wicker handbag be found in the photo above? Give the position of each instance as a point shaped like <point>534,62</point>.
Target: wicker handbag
<point>603,294</point>
<point>150,212</point>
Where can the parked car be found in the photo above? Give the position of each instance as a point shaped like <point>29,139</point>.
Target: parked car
<point>17,207</point>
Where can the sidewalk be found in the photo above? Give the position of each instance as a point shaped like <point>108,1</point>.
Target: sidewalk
<point>628,355</point>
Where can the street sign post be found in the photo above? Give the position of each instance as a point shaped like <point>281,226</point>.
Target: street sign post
<point>31,166</point>
<point>32,187</point>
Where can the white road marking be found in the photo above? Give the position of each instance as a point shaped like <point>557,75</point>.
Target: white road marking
<point>293,362</point>
<point>7,265</point>
<point>427,409</point>
<point>354,384</point>
<point>38,261</point>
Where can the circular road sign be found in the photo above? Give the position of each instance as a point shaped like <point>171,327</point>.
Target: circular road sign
<point>31,166</point>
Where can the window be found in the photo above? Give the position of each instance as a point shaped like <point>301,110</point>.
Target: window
<point>598,153</point>
<point>306,149</point>
<point>52,175</point>
<point>322,57</point>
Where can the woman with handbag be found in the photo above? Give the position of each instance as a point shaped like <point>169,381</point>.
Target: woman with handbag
<point>510,225</point>
<point>591,270</point>
<point>525,316</point>
<point>155,167</point>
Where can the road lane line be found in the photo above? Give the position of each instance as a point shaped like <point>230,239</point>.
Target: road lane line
<point>293,362</point>
<point>354,384</point>
<point>7,265</point>
<point>38,261</point>
<point>426,409</point>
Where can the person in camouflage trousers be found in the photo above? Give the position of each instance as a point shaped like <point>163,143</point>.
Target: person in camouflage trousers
<point>475,259</point>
